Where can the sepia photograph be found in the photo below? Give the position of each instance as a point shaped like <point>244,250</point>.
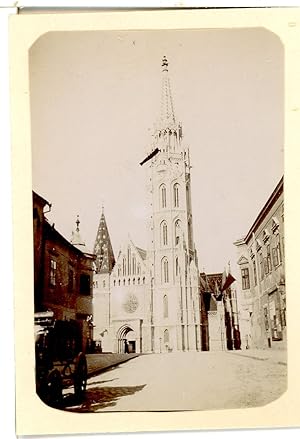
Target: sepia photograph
<point>158,219</point>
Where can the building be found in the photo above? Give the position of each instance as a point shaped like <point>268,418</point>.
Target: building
<point>151,296</point>
<point>63,272</point>
<point>262,277</point>
<point>219,313</point>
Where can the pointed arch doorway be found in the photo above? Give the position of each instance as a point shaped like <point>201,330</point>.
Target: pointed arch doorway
<point>127,340</point>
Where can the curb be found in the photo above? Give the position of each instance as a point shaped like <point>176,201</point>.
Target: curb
<point>96,371</point>
<point>253,357</point>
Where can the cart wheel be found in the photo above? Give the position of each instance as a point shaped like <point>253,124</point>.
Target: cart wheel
<point>52,389</point>
<point>80,376</point>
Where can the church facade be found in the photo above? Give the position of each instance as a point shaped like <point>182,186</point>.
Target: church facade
<point>147,300</point>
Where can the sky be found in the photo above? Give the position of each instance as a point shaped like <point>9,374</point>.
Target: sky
<point>95,97</point>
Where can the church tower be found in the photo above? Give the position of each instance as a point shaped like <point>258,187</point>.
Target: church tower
<point>175,320</point>
<point>104,264</point>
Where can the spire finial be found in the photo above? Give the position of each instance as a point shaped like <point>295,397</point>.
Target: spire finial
<point>164,64</point>
<point>102,209</point>
<point>77,223</point>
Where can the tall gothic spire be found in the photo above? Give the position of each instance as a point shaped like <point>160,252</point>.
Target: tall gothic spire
<point>105,260</point>
<point>167,116</point>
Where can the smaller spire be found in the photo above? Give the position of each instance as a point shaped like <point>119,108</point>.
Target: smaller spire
<point>77,223</point>
<point>102,209</point>
<point>165,64</point>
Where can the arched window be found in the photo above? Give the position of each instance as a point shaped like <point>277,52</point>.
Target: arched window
<point>143,280</point>
<point>165,270</point>
<point>119,282</point>
<point>164,233</point>
<point>128,281</point>
<point>176,194</point>
<point>138,268</point>
<point>133,281</point>
<point>165,306</point>
<point>129,260</point>
<point>166,336</point>
<point>123,281</point>
<point>114,283</point>
<point>163,196</point>
<point>124,266</point>
<point>176,266</point>
<point>139,281</point>
<point>177,231</point>
<point>119,270</point>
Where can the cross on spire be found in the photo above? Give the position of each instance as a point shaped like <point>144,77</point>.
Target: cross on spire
<point>77,223</point>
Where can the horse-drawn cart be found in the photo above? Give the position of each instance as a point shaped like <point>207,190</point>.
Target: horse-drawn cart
<point>60,361</point>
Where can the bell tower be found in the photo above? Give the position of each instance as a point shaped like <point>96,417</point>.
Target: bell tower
<point>172,256</point>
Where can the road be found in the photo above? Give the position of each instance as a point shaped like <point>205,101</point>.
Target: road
<point>185,381</point>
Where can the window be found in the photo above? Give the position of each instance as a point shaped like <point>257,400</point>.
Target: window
<point>133,264</point>
<point>129,260</point>
<point>124,266</point>
<point>177,231</point>
<point>245,279</point>
<point>165,270</point>
<point>176,266</point>
<point>261,266</point>
<point>163,196</point>
<point>52,272</point>
<point>144,280</point>
<point>176,194</point>
<point>254,273</point>
<point>84,287</point>
<point>269,262</point>
<point>71,281</point>
<point>164,233</point>
<point>104,284</point>
<point>166,336</point>
<point>165,306</point>
<point>114,283</point>
<point>138,268</point>
<point>119,270</point>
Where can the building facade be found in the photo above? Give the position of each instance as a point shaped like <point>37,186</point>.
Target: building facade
<point>151,295</point>
<point>63,273</point>
<point>262,277</point>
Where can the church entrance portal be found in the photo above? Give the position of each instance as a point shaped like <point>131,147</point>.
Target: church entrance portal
<point>126,340</point>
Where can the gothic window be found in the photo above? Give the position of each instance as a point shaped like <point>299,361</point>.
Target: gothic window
<point>177,231</point>
<point>166,336</point>
<point>114,283</point>
<point>119,282</point>
<point>128,281</point>
<point>245,279</point>
<point>139,281</point>
<point>133,264</point>
<point>143,280</point>
<point>163,196</point>
<point>133,281</point>
<point>165,270</point>
<point>123,281</point>
<point>129,260</point>
<point>104,284</point>
<point>176,194</point>
<point>119,270</point>
<point>52,272</point>
<point>165,306</point>
<point>176,266</point>
<point>138,268</point>
<point>164,233</point>
<point>124,266</point>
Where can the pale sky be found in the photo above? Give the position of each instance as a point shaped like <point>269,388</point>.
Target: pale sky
<point>95,97</point>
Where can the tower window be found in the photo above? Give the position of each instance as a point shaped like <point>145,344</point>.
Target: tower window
<point>164,233</point>
<point>165,306</point>
<point>176,266</point>
<point>165,270</point>
<point>177,232</point>
<point>166,337</point>
<point>163,196</point>
<point>176,194</point>
<point>133,264</point>
<point>124,266</point>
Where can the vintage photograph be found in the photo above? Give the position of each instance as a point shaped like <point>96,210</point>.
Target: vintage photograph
<point>158,219</point>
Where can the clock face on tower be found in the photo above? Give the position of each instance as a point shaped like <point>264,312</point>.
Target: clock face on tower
<point>131,303</point>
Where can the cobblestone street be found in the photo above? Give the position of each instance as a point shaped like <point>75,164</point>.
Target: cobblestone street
<point>188,381</point>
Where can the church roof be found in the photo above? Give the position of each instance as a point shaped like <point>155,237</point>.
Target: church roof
<point>142,253</point>
<point>105,260</point>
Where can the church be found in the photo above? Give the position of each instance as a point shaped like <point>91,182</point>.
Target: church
<point>147,300</point>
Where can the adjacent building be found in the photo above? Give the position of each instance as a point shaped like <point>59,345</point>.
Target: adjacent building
<point>63,272</point>
<point>262,277</point>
